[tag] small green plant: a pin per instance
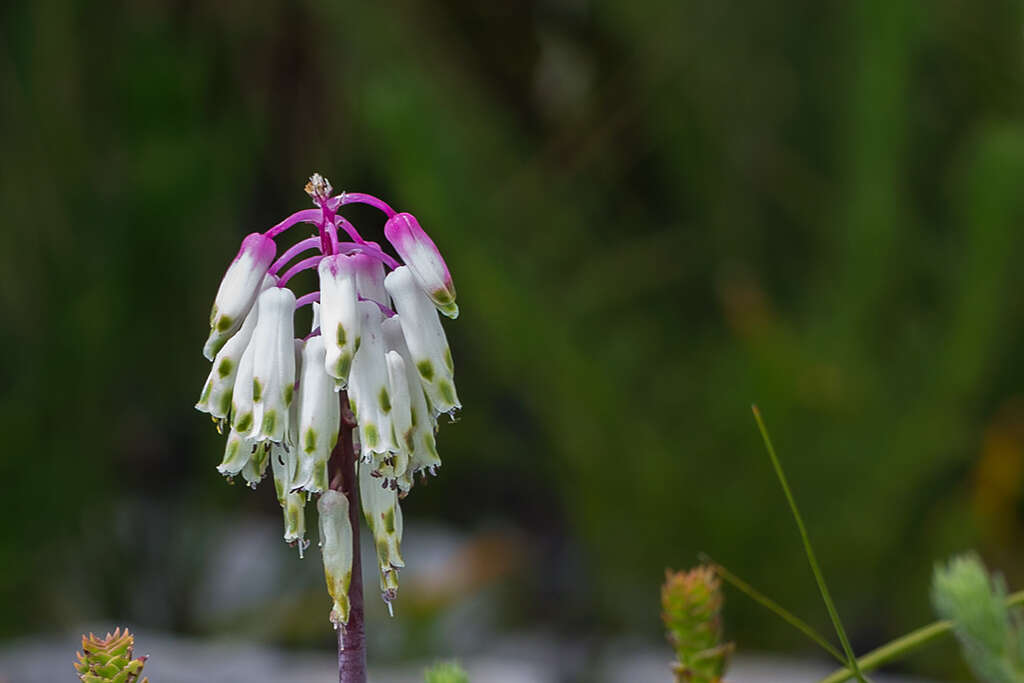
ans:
(445, 672)
(691, 607)
(109, 659)
(989, 632)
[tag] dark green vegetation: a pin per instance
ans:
(655, 213)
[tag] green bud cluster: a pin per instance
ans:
(691, 604)
(109, 659)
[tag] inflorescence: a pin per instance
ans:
(377, 342)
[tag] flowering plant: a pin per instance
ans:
(349, 411)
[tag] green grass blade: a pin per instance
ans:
(851, 659)
(772, 606)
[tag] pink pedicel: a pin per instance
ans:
(424, 260)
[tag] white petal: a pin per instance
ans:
(274, 364)
(336, 546)
(425, 338)
(339, 317)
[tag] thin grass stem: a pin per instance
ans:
(833, 614)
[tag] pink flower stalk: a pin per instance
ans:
(296, 400)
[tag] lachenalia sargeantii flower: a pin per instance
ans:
(370, 379)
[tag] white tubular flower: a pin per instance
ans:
(336, 547)
(319, 418)
(370, 277)
(273, 378)
(423, 449)
(241, 396)
(236, 454)
(216, 397)
(293, 504)
(256, 466)
(238, 290)
(368, 393)
(383, 517)
(339, 318)
(425, 338)
(424, 260)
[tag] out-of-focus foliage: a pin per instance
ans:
(445, 672)
(691, 608)
(991, 640)
(655, 212)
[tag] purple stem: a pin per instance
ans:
(293, 251)
(383, 309)
(306, 299)
(369, 250)
(361, 198)
(304, 216)
(351, 636)
(304, 264)
(350, 229)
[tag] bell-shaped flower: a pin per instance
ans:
(284, 463)
(425, 338)
(216, 396)
(339, 319)
(236, 454)
(238, 290)
(368, 392)
(256, 466)
(273, 374)
(419, 443)
(424, 260)
(242, 407)
(319, 418)
(383, 517)
(336, 547)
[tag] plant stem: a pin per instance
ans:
(811, 559)
(905, 644)
(766, 602)
(351, 636)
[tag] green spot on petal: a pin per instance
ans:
(257, 389)
(309, 440)
(385, 400)
(243, 423)
(225, 367)
(371, 434)
(447, 392)
(426, 369)
(269, 421)
(448, 360)
(341, 335)
(289, 394)
(344, 364)
(389, 520)
(224, 323)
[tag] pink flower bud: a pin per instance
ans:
(424, 261)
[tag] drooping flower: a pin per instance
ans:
(238, 290)
(384, 518)
(425, 338)
(424, 261)
(273, 372)
(420, 444)
(368, 391)
(216, 396)
(319, 418)
(285, 401)
(336, 544)
(339, 319)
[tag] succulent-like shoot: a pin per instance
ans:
(109, 659)
(691, 604)
(964, 593)
(445, 672)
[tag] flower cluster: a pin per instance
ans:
(377, 344)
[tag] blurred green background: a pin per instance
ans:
(656, 213)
